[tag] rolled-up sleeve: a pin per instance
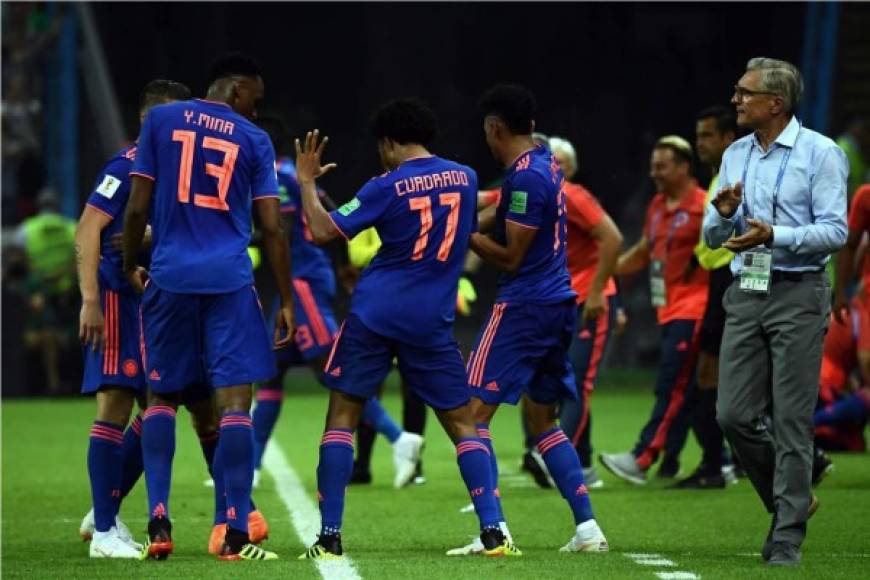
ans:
(828, 232)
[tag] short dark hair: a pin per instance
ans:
(726, 120)
(277, 131)
(160, 90)
(405, 120)
(513, 104)
(233, 64)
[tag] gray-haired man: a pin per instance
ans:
(781, 208)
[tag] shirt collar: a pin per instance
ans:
(788, 137)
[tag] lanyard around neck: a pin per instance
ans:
(786, 156)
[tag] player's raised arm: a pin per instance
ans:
(634, 259)
(308, 169)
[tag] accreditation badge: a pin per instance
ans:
(657, 283)
(755, 277)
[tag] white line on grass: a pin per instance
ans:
(658, 560)
(303, 513)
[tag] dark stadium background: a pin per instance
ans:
(610, 77)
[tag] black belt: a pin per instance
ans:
(784, 276)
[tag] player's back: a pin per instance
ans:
(209, 163)
(532, 197)
(408, 292)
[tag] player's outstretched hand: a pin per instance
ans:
(728, 199)
(91, 324)
(308, 155)
(137, 279)
(285, 326)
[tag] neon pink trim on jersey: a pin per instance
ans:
(341, 231)
(145, 175)
(105, 213)
(522, 224)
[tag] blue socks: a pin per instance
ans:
(486, 439)
(158, 450)
(850, 409)
(132, 465)
(265, 416)
(564, 465)
(375, 414)
(333, 475)
(475, 466)
(235, 455)
(104, 467)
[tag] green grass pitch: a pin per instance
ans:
(403, 534)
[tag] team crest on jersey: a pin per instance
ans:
(681, 219)
(519, 201)
(130, 368)
(109, 186)
(349, 207)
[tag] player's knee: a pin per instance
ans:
(234, 399)
(344, 411)
(114, 405)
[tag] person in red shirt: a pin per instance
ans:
(679, 294)
(842, 411)
(593, 248)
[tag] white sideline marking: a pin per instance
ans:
(656, 562)
(303, 513)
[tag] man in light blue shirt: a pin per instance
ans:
(781, 208)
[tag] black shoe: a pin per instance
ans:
(783, 554)
(668, 469)
(159, 539)
(491, 538)
(326, 546)
(701, 480)
(419, 478)
(822, 466)
(531, 466)
(360, 475)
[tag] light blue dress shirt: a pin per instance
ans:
(811, 208)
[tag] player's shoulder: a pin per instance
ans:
(121, 162)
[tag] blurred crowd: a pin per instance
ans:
(40, 297)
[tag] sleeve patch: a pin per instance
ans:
(109, 186)
(349, 207)
(519, 201)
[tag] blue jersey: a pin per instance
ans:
(424, 212)
(109, 196)
(209, 163)
(531, 196)
(307, 260)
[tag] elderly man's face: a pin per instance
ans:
(754, 105)
(565, 163)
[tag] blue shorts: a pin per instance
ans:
(119, 364)
(361, 358)
(315, 324)
(219, 339)
(523, 348)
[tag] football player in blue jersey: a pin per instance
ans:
(200, 167)
(523, 348)
(424, 210)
